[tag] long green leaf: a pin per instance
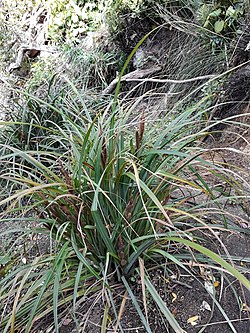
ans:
(215, 257)
(136, 254)
(81, 257)
(136, 305)
(158, 300)
(62, 255)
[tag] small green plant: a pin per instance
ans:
(69, 20)
(223, 19)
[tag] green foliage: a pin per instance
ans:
(107, 201)
(95, 68)
(13, 21)
(31, 120)
(14, 10)
(70, 20)
(123, 15)
(223, 19)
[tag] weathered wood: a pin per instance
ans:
(25, 48)
(193, 79)
(137, 74)
(37, 36)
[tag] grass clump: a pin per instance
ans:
(116, 193)
(109, 203)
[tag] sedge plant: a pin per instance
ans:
(106, 193)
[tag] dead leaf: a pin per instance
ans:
(216, 284)
(245, 307)
(165, 279)
(24, 260)
(209, 287)
(174, 297)
(202, 271)
(205, 306)
(193, 320)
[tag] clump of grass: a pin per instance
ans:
(115, 198)
(109, 203)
